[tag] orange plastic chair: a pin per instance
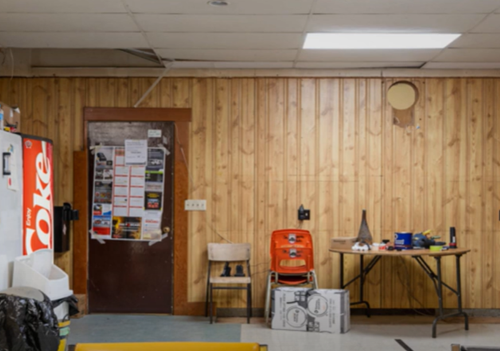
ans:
(290, 246)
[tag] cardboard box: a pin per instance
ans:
(289, 309)
(342, 243)
(11, 117)
(314, 310)
(329, 311)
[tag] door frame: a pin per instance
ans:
(181, 118)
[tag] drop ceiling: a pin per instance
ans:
(257, 33)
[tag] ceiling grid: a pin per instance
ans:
(257, 33)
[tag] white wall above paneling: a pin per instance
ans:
(222, 23)
(368, 55)
(230, 55)
(62, 6)
(405, 6)
(237, 7)
(225, 40)
(469, 55)
(393, 23)
(73, 40)
(66, 23)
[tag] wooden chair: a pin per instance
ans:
(228, 253)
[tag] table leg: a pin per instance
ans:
(342, 271)
(439, 291)
(438, 286)
(459, 293)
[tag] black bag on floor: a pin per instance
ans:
(27, 321)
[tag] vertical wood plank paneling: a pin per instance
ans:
(121, 93)
(292, 152)
(496, 194)
(387, 196)
(454, 161)
(261, 185)
(79, 99)
(222, 195)
(419, 278)
(350, 217)
(402, 177)
(474, 189)
(261, 147)
(275, 141)
(373, 178)
(434, 213)
(488, 211)
(200, 223)
(328, 125)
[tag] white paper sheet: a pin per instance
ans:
(121, 181)
(120, 211)
(137, 191)
(136, 212)
(137, 202)
(137, 181)
(121, 190)
(136, 152)
(138, 171)
(120, 201)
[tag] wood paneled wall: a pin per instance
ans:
(259, 148)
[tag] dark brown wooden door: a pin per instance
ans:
(128, 276)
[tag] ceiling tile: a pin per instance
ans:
(67, 23)
(221, 23)
(393, 23)
(73, 40)
(405, 6)
(229, 55)
(368, 55)
(236, 7)
(225, 40)
(339, 65)
(487, 41)
(62, 6)
(490, 25)
(469, 55)
(462, 65)
(87, 58)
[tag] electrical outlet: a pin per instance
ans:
(195, 205)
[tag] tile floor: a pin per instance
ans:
(369, 337)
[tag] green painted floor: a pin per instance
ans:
(101, 328)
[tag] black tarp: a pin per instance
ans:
(27, 324)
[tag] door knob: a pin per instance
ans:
(166, 230)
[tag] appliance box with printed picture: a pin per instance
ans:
(314, 310)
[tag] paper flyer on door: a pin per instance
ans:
(127, 198)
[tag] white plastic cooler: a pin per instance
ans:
(38, 271)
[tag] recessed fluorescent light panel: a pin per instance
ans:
(378, 41)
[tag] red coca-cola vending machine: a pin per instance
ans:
(38, 198)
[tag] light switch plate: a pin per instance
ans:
(195, 205)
